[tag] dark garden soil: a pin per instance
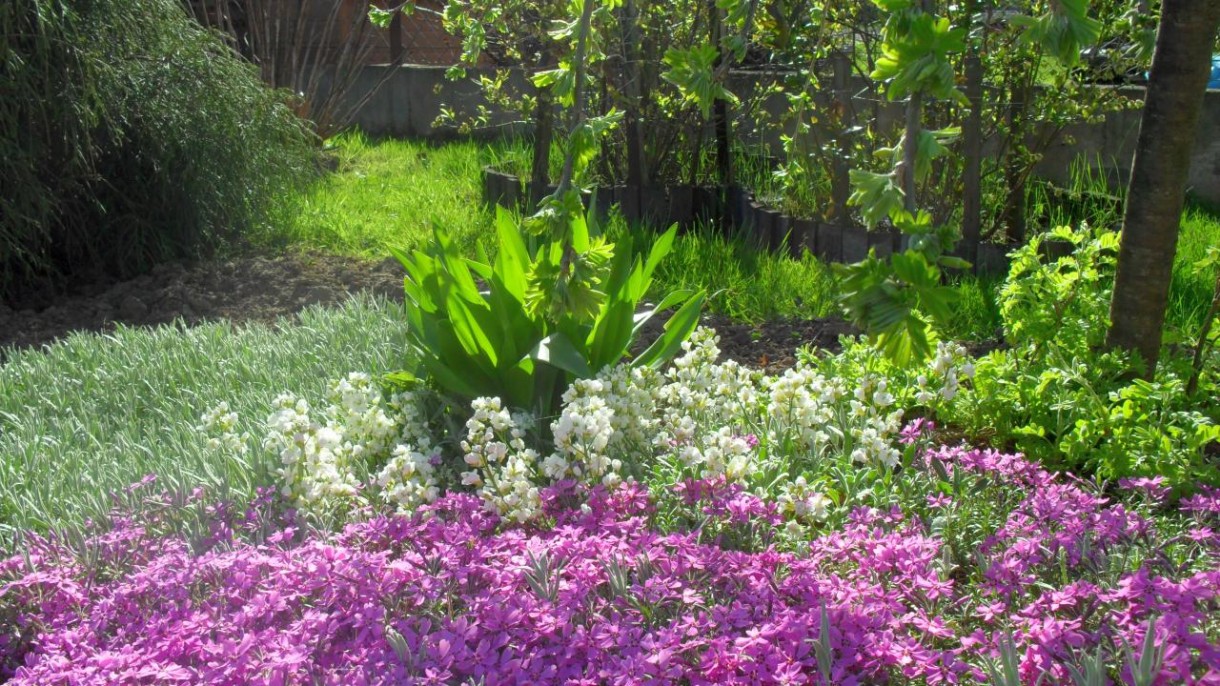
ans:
(267, 288)
(255, 287)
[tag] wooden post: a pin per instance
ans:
(972, 148)
(840, 183)
(396, 48)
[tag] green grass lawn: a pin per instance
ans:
(1191, 292)
(390, 193)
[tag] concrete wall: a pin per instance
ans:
(408, 103)
(412, 97)
(1110, 146)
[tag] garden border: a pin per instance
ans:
(741, 214)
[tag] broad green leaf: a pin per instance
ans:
(470, 333)
(660, 249)
(558, 350)
(466, 383)
(512, 261)
(677, 330)
(611, 334)
(456, 269)
(480, 269)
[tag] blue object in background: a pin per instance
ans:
(1215, 80)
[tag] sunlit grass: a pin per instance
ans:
(744, 283)
(1190, 294)
(390, 193)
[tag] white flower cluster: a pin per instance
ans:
(703, 410)
(721, 452)
(628, 392)
(803, 503)
(502, 467)
(408, 479)
(873, 426)
(323, 463)
(394, 431)
(700, 418)
(802, 407)
(711, 416)
(582, 434)
(220, 425)
(699, 387)
(802, 506)
(313, 467)
(950, 364)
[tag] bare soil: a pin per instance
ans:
(269, 288)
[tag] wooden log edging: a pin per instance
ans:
(740, 215)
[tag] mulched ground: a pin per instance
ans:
(268, 288)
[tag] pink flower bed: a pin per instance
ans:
(599, 595)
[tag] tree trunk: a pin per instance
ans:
(840, 184)
(544, 133)
(972, 147)
(720, 109)
(912, 127)
(636, 173)
(910, 151)
(1155, 194)
(1014, 168)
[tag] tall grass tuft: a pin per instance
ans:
(743, 282)
(130, 135)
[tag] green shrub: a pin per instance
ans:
(1057, 395)
(131, 135)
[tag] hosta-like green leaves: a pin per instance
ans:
(559, 351)
(537, 320)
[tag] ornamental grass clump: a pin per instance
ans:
(130, 135)
(601, 590)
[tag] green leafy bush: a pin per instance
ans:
(548, 314)
(1057, 395)
(130, 135)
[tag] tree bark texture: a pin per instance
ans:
(544, 133)
(972, 147)
(1181, 65)
(1014, 168)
